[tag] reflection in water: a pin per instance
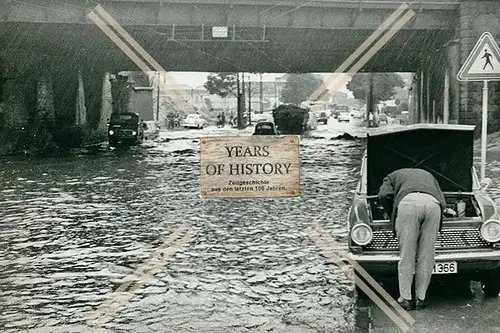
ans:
(71, 228)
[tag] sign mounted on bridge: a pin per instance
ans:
(249, 166)
(483, 63)
(219, 32)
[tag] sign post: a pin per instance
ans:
(482, 64)
(484, 130)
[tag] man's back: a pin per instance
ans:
(418, 180)
(402, 182)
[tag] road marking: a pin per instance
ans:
(327, 244)
(339, 77)
(143, 274)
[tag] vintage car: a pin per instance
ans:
(382, 118)
(265, 128)
(322, 117)
(151, 130)
(124, 129)
(468, 247)
(194, 121)
(404, 117)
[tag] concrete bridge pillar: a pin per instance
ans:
(106, 106)
(18, 97)
(94, 84)
(81, 109)
(42, 98)
(437, 93)
(476, 17)
(453, 66)
(44, 110)
(413, 101)
(422, 100)
(42, 124)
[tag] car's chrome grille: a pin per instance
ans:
(447, 239)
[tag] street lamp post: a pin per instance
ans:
(249, 100)
(369, 102)
(261, 97)
(158, 99)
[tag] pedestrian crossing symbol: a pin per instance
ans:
(483, 63)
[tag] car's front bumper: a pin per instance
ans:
(468, 262)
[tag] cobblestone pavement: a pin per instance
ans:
(73, 227)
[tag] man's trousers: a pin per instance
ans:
(417, 226)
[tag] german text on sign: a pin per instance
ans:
(249, 166)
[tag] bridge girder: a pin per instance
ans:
(334, 14)
(263, 36)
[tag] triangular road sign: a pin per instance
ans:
(483, 63)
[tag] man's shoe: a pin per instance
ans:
(405, 304)
(420, 304)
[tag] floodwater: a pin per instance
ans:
(72, 228)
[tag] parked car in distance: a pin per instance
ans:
(257, 117)
(468, 246)
(404, 118)
(382, 118)
(356, 114)
(322, 117)
(344, 117)
(151, 130)
(265, 128)
(194, 121)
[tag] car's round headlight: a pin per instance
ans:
(361, 234)
(134, 132)
(111, 132)
(490, 231)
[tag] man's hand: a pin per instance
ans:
(450, 212)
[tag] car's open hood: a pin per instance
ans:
(444, 150)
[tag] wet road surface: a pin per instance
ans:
(72, 228)
(450, 310)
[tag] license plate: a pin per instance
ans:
(445, 267)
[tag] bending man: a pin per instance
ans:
(416, 204)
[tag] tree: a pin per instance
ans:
(299, 87)
(384, 85)
(221, 84)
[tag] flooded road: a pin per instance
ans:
(72, 228)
